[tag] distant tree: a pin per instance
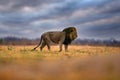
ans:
(1, 41)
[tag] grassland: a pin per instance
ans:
(79, 63)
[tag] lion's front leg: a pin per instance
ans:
(66, 47)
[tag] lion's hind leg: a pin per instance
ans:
(42, 46)
(48, 45)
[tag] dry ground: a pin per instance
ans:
(79, 63)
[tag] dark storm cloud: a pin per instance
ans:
(22, 17)
(112, 7)
(105, 31)
(14, 5)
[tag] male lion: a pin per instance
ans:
(60, 37)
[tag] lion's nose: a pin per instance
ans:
(76, 35)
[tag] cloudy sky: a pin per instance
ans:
(98, 19)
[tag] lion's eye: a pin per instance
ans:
(71, 30)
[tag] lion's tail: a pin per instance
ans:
(38, 44)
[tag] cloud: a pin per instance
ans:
(22, 17)
(112, 7)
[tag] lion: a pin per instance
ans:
(59, 37)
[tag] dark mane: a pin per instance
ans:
(67, 40)
(68, 31)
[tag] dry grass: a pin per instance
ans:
(80, 63)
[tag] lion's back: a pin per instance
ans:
(54, 36)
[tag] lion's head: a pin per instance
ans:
(71, 34)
